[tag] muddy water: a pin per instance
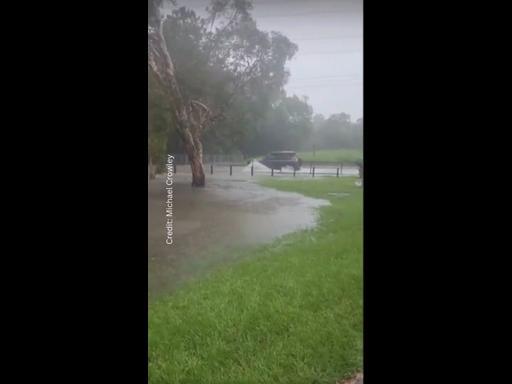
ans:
(304, 171)
(212, 223)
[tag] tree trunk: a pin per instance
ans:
(199, 147)
(195, 156)
(161, 63)
(198, 179)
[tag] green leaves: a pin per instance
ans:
(237, 70)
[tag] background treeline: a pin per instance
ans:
(256, 114)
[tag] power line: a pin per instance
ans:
(344, 9)
(327, 77)
(321, 81)
(272, 2)
(327, 86)
(330, 84)
(327, 38)
(314, 81)
(332, 52)
(277, 2)
(290, 15)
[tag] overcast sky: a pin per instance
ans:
(328, 68)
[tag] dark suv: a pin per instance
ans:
(280, 159)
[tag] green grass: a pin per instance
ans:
(290, 312)
(333, 155)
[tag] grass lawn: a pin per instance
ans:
(335, 155)
(290, 312)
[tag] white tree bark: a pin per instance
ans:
(189, 128)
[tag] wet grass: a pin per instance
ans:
(289, 313)
(341, 155)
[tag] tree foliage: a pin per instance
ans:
(338, 131)
(224, 61)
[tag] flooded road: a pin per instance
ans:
(244, 171)
(211, 223)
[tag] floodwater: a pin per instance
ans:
(244, 171)
(211, 223)
(305, 171)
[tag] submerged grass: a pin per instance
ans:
(290, 312)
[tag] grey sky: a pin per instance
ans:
(328, 68)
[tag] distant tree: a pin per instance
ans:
(342, 117)
(286, 125)
(318, 120)
(338, 131)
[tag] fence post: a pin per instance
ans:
(230, 170)
(313, 171)
(211, 169)
(272, 174)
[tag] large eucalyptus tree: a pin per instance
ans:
(230, 50)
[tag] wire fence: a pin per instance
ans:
(215, 164)
(182, 158)
(251, 170)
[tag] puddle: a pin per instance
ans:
(211, 222)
